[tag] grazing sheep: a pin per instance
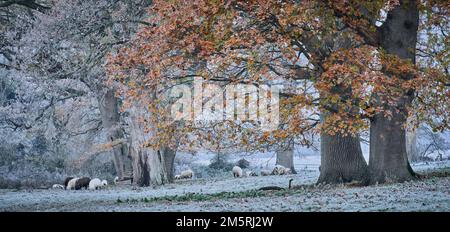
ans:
(104, 183)
(82, 182)
(58, 186)
(95, 184)
(186, 174)
(71, 184)
(116, 180)
(251, 173)
(237, 171)
(265, 173)
(66, 181)
(279, 170)
(287, 171)
(177, 177)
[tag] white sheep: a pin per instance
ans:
(66, 181)
(177, 177)
(58, 186)
(251, 173)
(95, 184)
(279, 170)
(104, 183)
(186, 174)
(287, 171)
(116, 180)
(237, 171)
(71, 184)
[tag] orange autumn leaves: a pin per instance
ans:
(261, 41)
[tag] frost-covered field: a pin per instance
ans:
(431, 194)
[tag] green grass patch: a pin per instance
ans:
(210, 197)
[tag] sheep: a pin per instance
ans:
(251, 173)
(247, 173)
(82, 182)
(279, 170)
(237, 171)
(58, 186)
(265, 173)
(104, 183)
(71, 184)
(66, 181)
(186, 174)
(116, 180)
(287, 171)
(94, 184)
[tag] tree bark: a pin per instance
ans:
(388, 157)
(109, 110)
(141, 176)
(149, 165)
(285, 157)
(169, 158)
(341, 160)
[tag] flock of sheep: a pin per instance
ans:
(74, 183)
(238, 172)
(277, 170)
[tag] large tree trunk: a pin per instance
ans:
(285, 157)
(388, 156)
(341, 160)
(149, 165)
(109, 110)
(169, 158)
(141, 176)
